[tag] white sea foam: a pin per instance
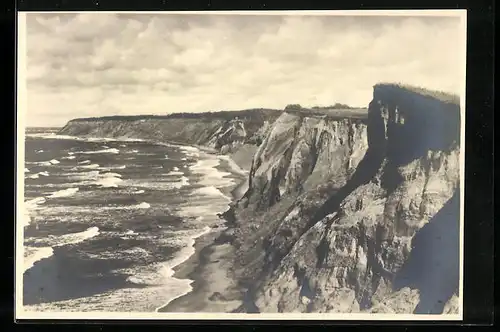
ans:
(175, 173)
(36, 254)
(39, 151)
(113, 150)
(37, 175)
(166, 156)
(130, 232)
(84, 162)
(138, 192)
(183, 159)
(119, 167)
(123, 146)
(142, 205)
(64, 193)
(69, 157)
(71, 153)
(211, 176)
(184, 181)
(175, 168)
(54, 161)
(209, 191)
(91, 166)
(32, 203)
(26, 170)
(108, 180)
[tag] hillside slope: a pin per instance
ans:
(353, 214)
(234, 132)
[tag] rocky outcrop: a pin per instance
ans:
(354, 215)
(226, 132)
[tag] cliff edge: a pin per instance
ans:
(354, 214)
(236, 133)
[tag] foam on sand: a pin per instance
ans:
(210, 191)
(182, 256)
(184, 181)
(64, 193)
(211, 176)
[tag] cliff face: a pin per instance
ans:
(350, 215)
(227, 132)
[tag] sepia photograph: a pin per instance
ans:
(240, 165)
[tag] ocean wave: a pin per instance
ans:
(138, 192)
(142, 205)
(209, 191)
(109, 180)
(175, 173)
(211, 176)
(37, 175)
(119, 167)
(69, 157)
(32, 203)
(36, 254)
(64, 193)
(91, 166)
(84, 162)
(112, 150)
(85, 139)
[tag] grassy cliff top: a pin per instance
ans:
(405, 89)
(219, 115)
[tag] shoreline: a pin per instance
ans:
(213, 290)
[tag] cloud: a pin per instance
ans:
(93, 64)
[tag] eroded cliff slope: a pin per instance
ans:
(234, 132)
(356, 213)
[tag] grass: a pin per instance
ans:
(257, 113)
(436, 94)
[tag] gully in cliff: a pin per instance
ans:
(241, 166)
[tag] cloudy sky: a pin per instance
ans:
(94, 64)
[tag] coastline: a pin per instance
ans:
(213, 290)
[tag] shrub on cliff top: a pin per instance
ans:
(439, 95)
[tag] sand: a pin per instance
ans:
(209, 267)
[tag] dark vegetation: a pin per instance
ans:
(250, 114)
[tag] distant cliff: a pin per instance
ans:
(353, 213)
(230, 132)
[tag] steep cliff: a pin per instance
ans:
(353, 214)
(227, 132)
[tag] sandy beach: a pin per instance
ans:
(209, 267)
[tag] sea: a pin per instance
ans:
(107, 220)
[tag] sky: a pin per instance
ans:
(96, 64)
